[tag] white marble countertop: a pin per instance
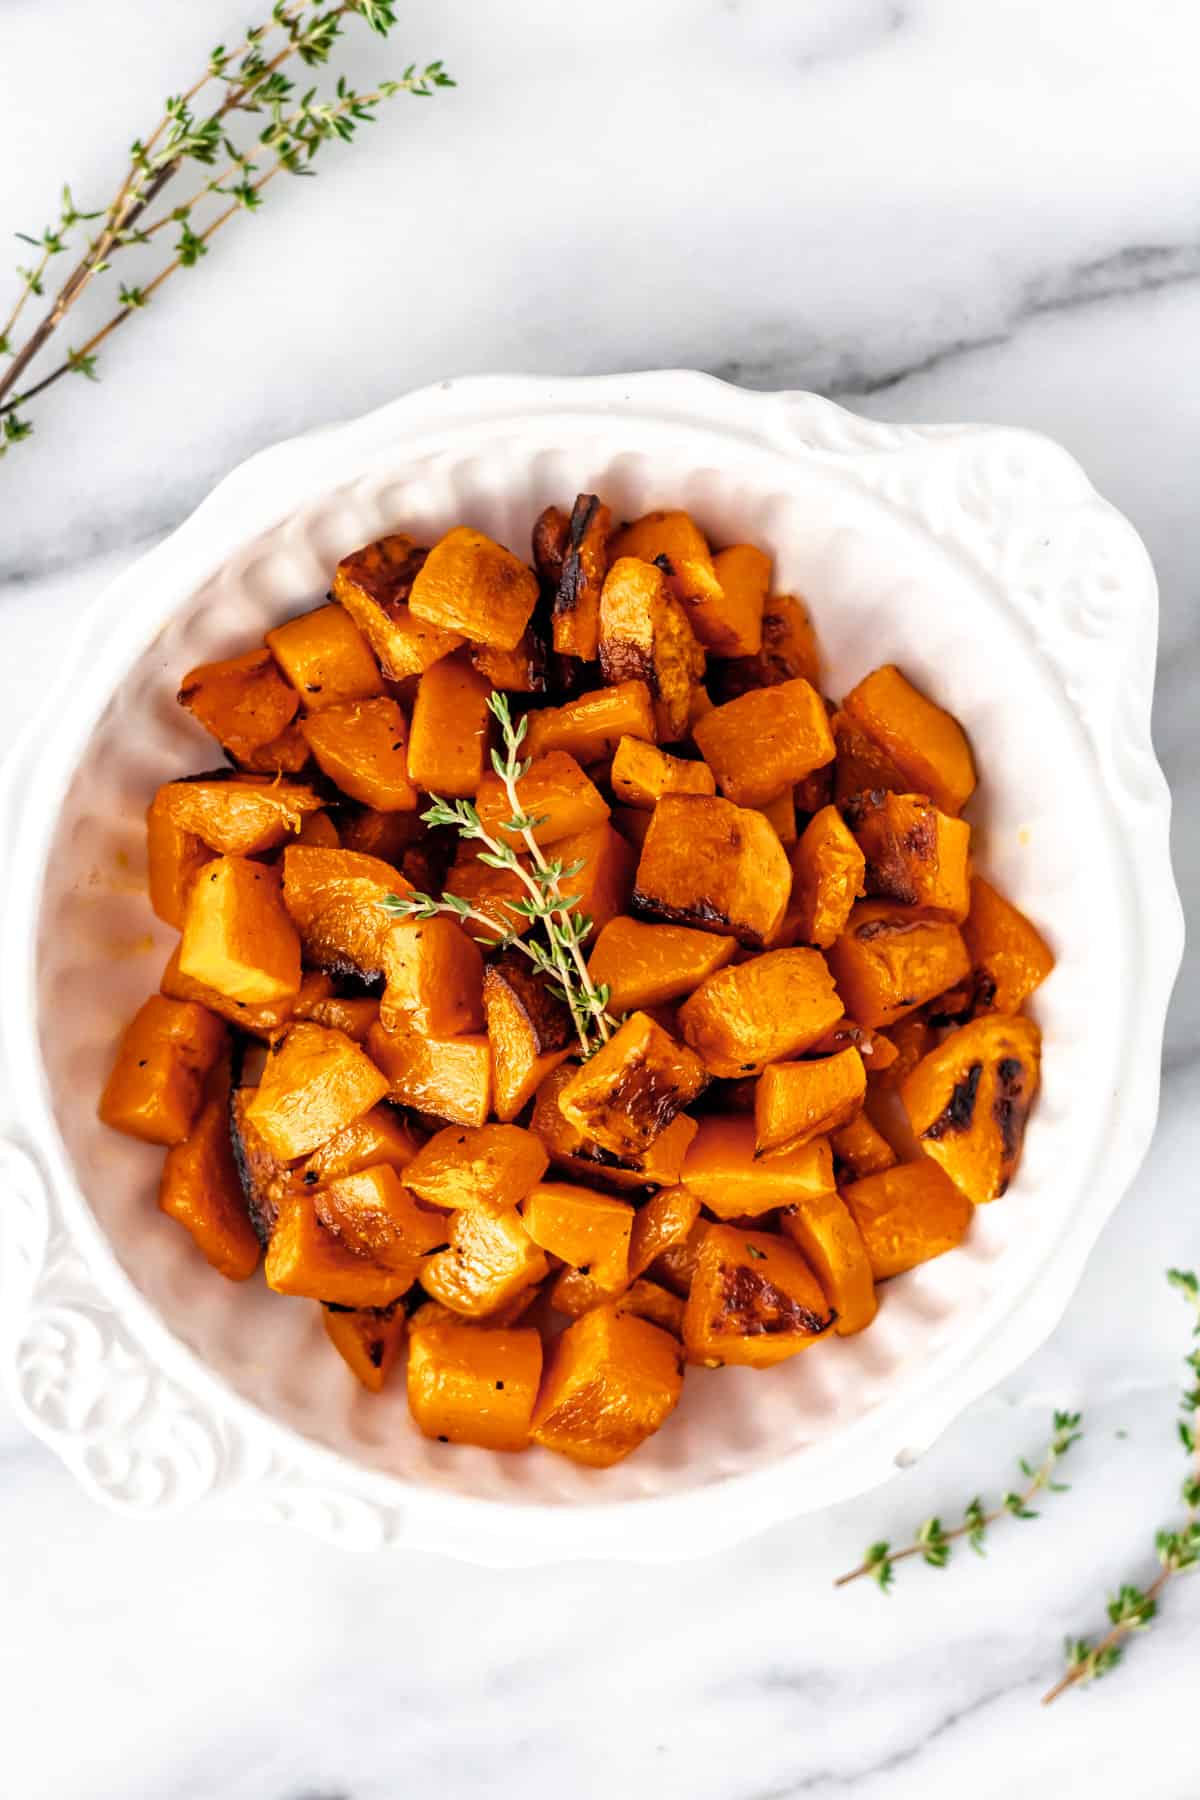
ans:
(929, 209)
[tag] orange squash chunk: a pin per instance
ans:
(862, 767)
(1009, 956)
(924, 741)
(448, 745)
(237, 936)
(586, 1229)
(260, 1021)
(667, 1219)
(721, 1171)
(368, 1339)
(676, 544)
(326, 658)
(602, 887)
(647, 1300)
(765, 740)
(373, 585)
(471, 584)
(448, 1077)
(744, 574)
(354, 1017)
(632, 1087)
(888, 961)
(675, 1266)
(789, 651)
(554, 791)
(174, 857)
(760, 1011)
(307, 1259)
(642, 774)
(910, 1039)
(373, 1213)
(267, 1182)
(286, 754)
(315, 1083)
(861, 1148)
(529, 1030)
(968, 1101)
(519, 671)
(201, 1188)
(832, 1245)
(386, 835)
(828, 875)
(156, 1087)
(362, 746)
(490, 892)
(238, 817)
(914, 853)
(611, 1381)
(572, 1150)
(244, 701)
(380, 1136)
(590, 727)
(469, 1384)
(714, 866)
(780, 814)
(491, 1167)
(645, 636)
(435, 979)
(795, 1102)
(319, 829)
(753, 1301)
(646, 965)
(573, 553)
(907, 1215)
(334, 897)
(491, 1259)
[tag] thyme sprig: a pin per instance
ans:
(1133, 1609)
(297, 127)
(934, 1544)
(565, 929)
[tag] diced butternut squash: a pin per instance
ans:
(448, 1077)
(320, 830)
(386, 835)
(603, 886)
(765, 740)
(611, 1381)
(529, 1029)
(910, 1039)
(549, 540)
(380, 1136)
(362, 746)
(828, 875)
(633, 824)
(789, 651)
(657, 1305)
(572, 1150)
(675, 1266)
(373, 585)
(582, 564)
(914, 853)
(832, 1245)
(373, 1213)
(286, 754)
(744, 574)
(666, 1220)
(242, 816)
(814, 792)
(925, 742)
(244, 701)
(721, 1171)
(434, 979)
(340, 1013)
(267, 1181)
(470, 584)
(889, 960)
(156, 1087)
(174, 857)
(753, 1301)
(368, 1339)
(860, 1148)
(307, 1259)
(795, 1102)
(760, 1011)
(265, 1021)
(969, 1098)
(780, 814)
(587, 1229)
(315, 1083)
(326, 658)
(519, 671)
(642, 774)
(907, 1215)
(201, 1188)
(645, 636)
(237, 935)
(632, 1087)
(490, 1167)
(714, 866)
(491, 1259)
(646, 965)
(469, 1384)
(335, 900)
(448, 744)
(1009, 956)
(590, 728)
(554, 791)
(862, 766)
(490, 892)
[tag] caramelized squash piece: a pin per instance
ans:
(471, 584)
(642, 774)
(472, 1385)
(646, 965)
(244, 701)
(554, 791)
(611, 1381)
(757, 1012)
(354, 1017)
(862, 767)
(832, 1245)
(242, 816)
(675, 1266)
(914, 853)
(490, 1167)
(490, 892)
(529, 1030)
(602, 887)
(316, 1082)
(491, 1260)
(721, 1171)
(590, 728)
(744, 574)
(780, 814)
(519, 671)
(549, 540)
(386, 835)
(319, 829)
(907, 1215)
(828, 875)
(448, 744)
(632, 1087)
(573, 1151)
(924, 741)
(766, 740)
(582, 1227)
(657, 1305)
(795, 1102)
(380, 1136)
(583, 563)
(888, 961)
(267, 1182)
(1009, 956)
(435, 979)
(968, 1101)
(373, 585)
(265, 1021)
(201, 1189)
(448, 1077)
(910, 1039)
(789, 651)
(307, 1259)
(156, 1087)
(174, 857)
(335, 900)
(645, 636)
(666, 1220)
(373, 1213)
(326, 658)
(237, 936)
(861, 1148)
(754, 1300)
(714, 866)
(368, 1339)
(286, 754)
(362, 746)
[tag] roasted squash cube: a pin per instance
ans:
(386, 835)
(242, 816)
(647, 965)
(765, 740)
(469, 1384)
(860, 1148)
(677, 545)
(448, 744)
(657, 1305)
(265, 1021)
(491, 1167)
(632, 1087)
(789, 651)
(244, 701)
(888, 961)
(744, 574)
(319, 829)
(491, 1259)
(549, 541)
(968, 1101)
(832, 1245)
(1009, 956)
(368, 1339)
(920, 738)
(828, 875)
(373, 585)
(315, 1083)
(603, 882)
(760, 1011)
(267, 1181)
(174, 858)
(237, 935)
(909, 1040)
(714, 866)
(434, 979)
(907, 1215)
(373, 1213)
(156, 1087)
(490, 892)
(573, 1151)
(307, 1259)
(590, 727)
(472, 585)
(753, 1300)
(554, 791)
(448, 1077)
(335, 900)
(610, 1382)
(201, 1188)
(326, 658)
(780, 814)
(642, 774)
(519, 671)
(286, 754)
(380, 1136)
(362, 746)
(795, 1102)
(582, 558)
(914, 853)
(338, 1012)
(645, 636)
(582, 1227)
(668, 1218)
(721, 1171)
(862, 766)
(529, 1030)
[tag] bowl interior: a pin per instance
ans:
(880, 590)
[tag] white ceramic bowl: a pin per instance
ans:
(979, 559)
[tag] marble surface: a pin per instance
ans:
(930, 210)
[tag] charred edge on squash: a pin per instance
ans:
(648, 1100)
(572, 580)
(1010, 1107)
(752, 1306)
(262, 1210)
(703, 914)
(959, 1110)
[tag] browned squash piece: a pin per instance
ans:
(642, 774)
(760, 1011)
(554, 791)
(435, 979)
(920, 738)
(657, 1305)
(590, 727)
(914, 853)
(907, 1215)
(174, 857)
(448, 744)
(286, 754)
(472, 585)
(326, 658)
(491, 1167)
(362, 746)
(368, 1339)
(862, 767)
(316, 1082)
(744, 574)
(828, 874)
(239, 816)
(645, 636)
(910, 1038)
(1009, 956)
(549, 541)
(765, 740)
(860, 1148)
(832, 1245)
(603, 883)
(157, 1082)
(632, 1087)
(611, 1381)
(339, 1013)
(753, 1300)
(267, 1182)
(469, 1384)
(675, 542)
(888, 961)
(667, 1219)
(675, 1266)
(714, 866)
(237, 935)
(373, 1213)
(875, 1047)
(789, 651)
(307, 1259)
(448, 1077)
(647, 965)
(244, 701)
(335, 900)
(380, 1136)
(386, 835)
(814, 792)
(780, 814)
(260, 1021)
(519, 671)
(968, 1101)
(573, 1151)
(721, 1171)
(373, 585)
(491, 1259)
(587, 1229)
(201, 1189)
(582, 556)
(529, 1030)
(490, 892)
(797, 1101)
